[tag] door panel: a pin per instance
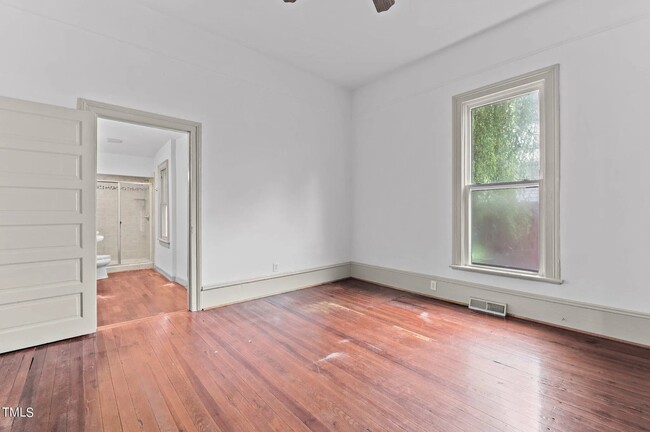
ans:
(47, 224)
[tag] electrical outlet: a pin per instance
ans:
(434, 285)
(276, 267)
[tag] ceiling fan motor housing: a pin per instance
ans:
(380, 5)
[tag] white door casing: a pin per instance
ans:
(47, 224)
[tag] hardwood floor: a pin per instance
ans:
(342, 356)
(133, 295)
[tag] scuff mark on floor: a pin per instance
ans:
(331, 356)
(417, 335)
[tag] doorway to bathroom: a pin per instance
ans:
(146, 214)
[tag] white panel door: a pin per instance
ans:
(47, 224)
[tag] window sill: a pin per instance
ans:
(164, 243)
(507, 273)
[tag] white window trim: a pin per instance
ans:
(546, 81)
(164, 240)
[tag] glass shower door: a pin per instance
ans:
(135, 223)
(108, 219)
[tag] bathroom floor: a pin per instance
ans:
(132, 295)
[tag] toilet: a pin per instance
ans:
(102, 261)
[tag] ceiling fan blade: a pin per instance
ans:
(383, 5)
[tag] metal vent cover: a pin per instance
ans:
(489, 307)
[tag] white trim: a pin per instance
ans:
(181, 281)
(545, 81)
(520, 274)
(620, 324)
(119, 268)
(164, 273)
(115, 112)
(251, 289)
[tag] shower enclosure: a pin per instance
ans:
(124, 219)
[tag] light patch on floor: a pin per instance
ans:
(331, 356)
(424, 316)
(328, 307)
(417, 335)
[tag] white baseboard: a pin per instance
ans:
(129, 267)
(164, 273)
(181, 281)
(236, 292)
(612, 323)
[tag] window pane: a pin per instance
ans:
(505, 228)
(164, 186)
(164, 221)
(505, 140)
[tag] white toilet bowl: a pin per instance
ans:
(102, 262)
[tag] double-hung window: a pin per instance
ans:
(163, 202)
(506, 178)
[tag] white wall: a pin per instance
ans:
(181, 163)
(402, 151)
(276, 140)
(124, 165)
(172, 259)
(164, 253)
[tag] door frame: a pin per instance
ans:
(129, 115)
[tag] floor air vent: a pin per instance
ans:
(487, 307)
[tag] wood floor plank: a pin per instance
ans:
(110, 420)
(321, 363)
(9, 367)
(223, 404)
(415, 397)
(29, 390)
(294, 416)
(345, 356)
(320, 411)
(556, 366)
(178, 378)
(132, 295)
(401, 348)
(128, 416)
(60, 396)
(130, 366)
(91, 404)
(324, 396)
(159, 386)
(76, 413)
(44, 391)
(243, 390)
(142, 380)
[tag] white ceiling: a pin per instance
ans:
(141, 141)
(345, 41)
